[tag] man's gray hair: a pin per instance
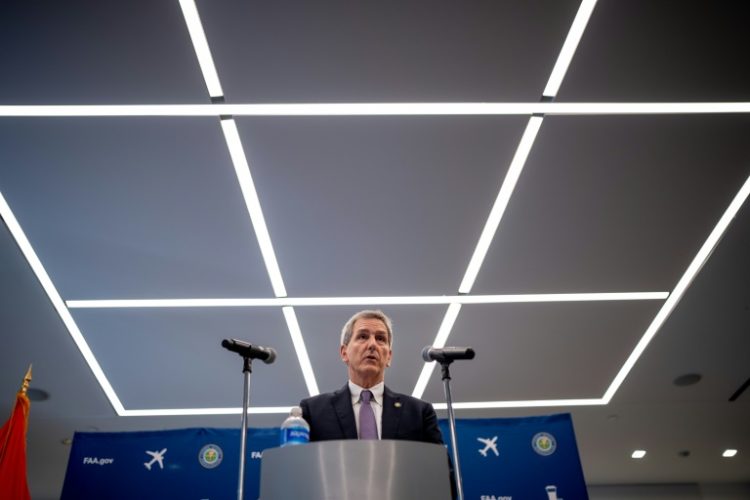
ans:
(348, 330)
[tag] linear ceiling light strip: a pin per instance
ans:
(488, 233)
(301, 350)
(360, 301)
(174, 412)
(57, 302)
(380, 109)
(569, 47)
(242, 169)
(501, 203)
(679, 290)
(200, 45)
(524, 148)
(479, 405)
(445, 328)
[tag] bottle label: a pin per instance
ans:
(294, 435)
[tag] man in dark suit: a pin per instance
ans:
(365, 348)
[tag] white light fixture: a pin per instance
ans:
(501, 203)
(569, 47)
(57, 302)
(442, 336)
(242, 169)
(729, 453)
(380, 109)
(301, 350)
(361, 301)
(483, 405)
(679, 290)
(638, 454)
(173, 412)
(200, 45)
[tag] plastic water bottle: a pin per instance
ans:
(295, 430)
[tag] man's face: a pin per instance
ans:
(368, 352)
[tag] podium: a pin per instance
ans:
(366, 470)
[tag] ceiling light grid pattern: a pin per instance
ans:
(454, 302)
(379, 109)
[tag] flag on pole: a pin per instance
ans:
(13, 484)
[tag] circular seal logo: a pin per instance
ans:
(210, 456)
(544, 443)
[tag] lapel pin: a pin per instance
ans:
(397, 404)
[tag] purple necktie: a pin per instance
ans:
(367, 427)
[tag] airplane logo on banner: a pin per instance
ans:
(489, 444)
(158, 457)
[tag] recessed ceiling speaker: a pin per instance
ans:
(687, 379)
(35, 394)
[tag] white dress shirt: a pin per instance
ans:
(376, 403)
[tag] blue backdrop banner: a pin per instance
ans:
(510, 458)
(519, 458)
(184, 464)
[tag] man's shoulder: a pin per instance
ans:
(326, 396)
(323, 398)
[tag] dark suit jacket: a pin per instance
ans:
(331, 416)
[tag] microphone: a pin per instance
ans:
(447, 354)
(265, 354)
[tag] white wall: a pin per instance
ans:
(722, 491)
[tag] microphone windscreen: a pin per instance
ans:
(271, 356)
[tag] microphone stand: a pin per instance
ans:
(452, 421)
(247, 369)
(248, 352)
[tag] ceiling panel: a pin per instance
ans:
(172, 358)
(616, 203)
(132, 207)
(106, 51)
(339, 51)
(376, 205)
(671, 50)
(533, 351)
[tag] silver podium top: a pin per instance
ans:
(351, 469)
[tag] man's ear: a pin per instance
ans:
(342, 352)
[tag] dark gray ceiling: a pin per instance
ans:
(150, 207)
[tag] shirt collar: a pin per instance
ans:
(377, 392)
